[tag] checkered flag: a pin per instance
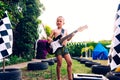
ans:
(6, 36)
(114, 54)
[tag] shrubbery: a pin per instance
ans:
(75, 48)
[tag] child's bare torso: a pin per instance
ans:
(57, 32)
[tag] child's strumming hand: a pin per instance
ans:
(49, 40)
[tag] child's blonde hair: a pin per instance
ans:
(62, 18)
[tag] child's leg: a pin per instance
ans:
(58, 68)
(69, 65)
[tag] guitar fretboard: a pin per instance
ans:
(66, 37)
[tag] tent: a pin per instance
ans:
(100, 52)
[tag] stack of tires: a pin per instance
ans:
(11, 74)
(100, 69)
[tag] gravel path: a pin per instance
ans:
(21, 65)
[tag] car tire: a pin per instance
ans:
(100, 69)
(82, 61)
(11, 74)
(37, 66)
(89, 64)
(51, 62)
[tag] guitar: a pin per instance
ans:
(58, 43)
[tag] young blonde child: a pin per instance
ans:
(61, 52)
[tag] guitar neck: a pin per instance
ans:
(68, 36)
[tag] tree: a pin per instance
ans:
(26, 30)
(23, 15)
(3, 7)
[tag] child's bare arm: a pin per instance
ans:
(50, 37)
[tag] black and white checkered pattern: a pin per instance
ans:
(6, 36)
(114, 53)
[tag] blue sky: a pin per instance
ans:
(99, 15)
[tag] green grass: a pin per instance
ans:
(46, 74)
(80, 68)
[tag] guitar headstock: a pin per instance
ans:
(82, 28)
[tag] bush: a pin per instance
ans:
(75, 48)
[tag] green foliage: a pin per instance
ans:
(16, 59)
(79, 48)
(24, 18)
(3, 8)
(26, 30)
(75, 48)
(13, 9)
(48, 30)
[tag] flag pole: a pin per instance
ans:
(3, 64)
